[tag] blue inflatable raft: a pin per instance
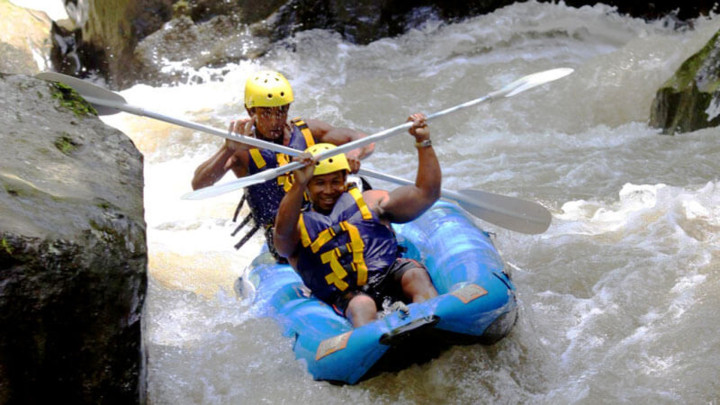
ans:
(476, 304)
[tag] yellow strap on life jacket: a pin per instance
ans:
(304, 237)
(357, 195)
(282, 159)
(338, 272)
(327, 234)
(357, 247)
(309, 140)
(323, 238)
(257, 158)
(284, 180)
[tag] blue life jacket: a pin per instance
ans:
(345, 249)
(264, 198)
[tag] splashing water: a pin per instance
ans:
(618, 298)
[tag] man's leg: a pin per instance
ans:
(361, 310)
(416, 283)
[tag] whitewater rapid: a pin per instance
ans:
(618, 298)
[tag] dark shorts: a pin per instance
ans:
(387, 285)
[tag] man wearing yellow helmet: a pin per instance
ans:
(342, 245)
(268, 95)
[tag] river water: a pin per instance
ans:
(618, 299)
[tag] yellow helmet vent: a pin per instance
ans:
(267, 88)
(331, 164)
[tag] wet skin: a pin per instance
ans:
(326, 189)
(270, 122)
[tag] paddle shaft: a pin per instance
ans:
(258, 143)
(449, 194)
(112, 101)
(516, 87)
(509, 90)
(511, 213)
(381, 135)
(508, 212)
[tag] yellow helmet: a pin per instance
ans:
(267, 89)
(331, 164)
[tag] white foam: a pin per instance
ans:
(55, 9)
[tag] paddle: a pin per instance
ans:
(506, 212)
(107, 102)
(516, 87)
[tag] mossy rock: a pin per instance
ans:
(73, 251)
(71, 100)
(690, 100)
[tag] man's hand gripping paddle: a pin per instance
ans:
(508, 212)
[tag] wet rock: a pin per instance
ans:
(249, 11)
(24, 39)
(184, 43)
(364, 21)
(73, 253)
(690, 100)
(64, 55)
(652, 10)
(111, 30)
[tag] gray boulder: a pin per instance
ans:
(111, 33)
(73, 256)
(690, 100)
(25, 43)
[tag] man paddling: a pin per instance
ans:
(268, 95)
(342, 245)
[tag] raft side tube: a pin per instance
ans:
(453, 248)
(476, 303)
(466, 269)
(343, 358)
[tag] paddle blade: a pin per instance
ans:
(213, 191)
(507, 212)
(89, 91)
(536, 79)
(219, 189)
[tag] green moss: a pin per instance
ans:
(687, 72)
(106, 233)
(10, 190)
(65, 144)
(681, 105)
(6, 246)
(181, 8)
(71, 100)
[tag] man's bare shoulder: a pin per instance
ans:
(375, 198)
(318, 128)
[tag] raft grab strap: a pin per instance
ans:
(237, 210)
(248, 235)
(244, 222)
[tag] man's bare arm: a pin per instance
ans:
(324, 132)
(286, 234)
(409, 202)
(214, 168)
(228, 157)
